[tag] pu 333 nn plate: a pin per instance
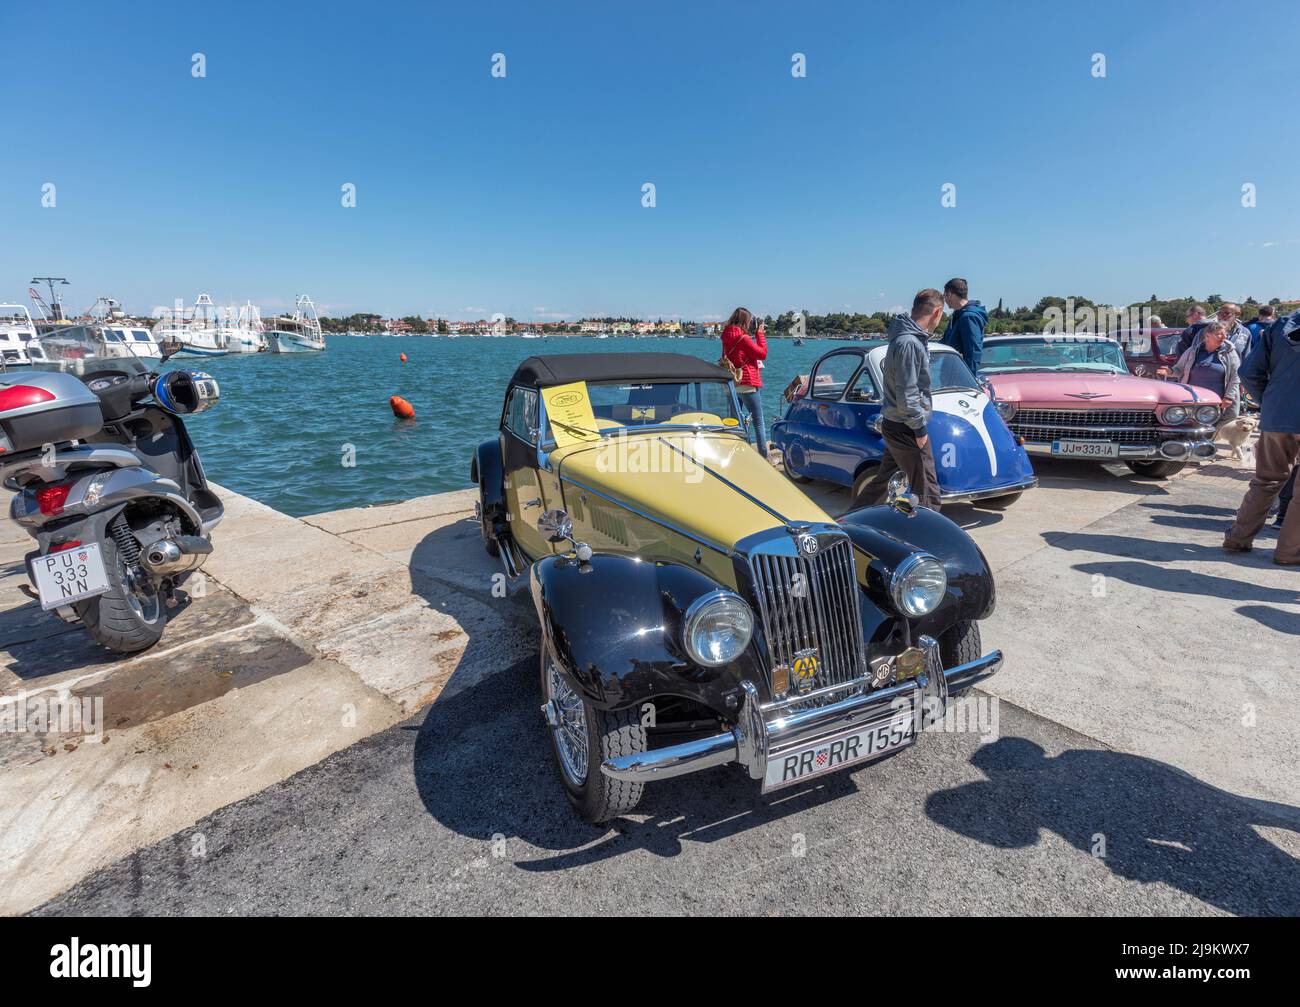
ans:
(70, 575)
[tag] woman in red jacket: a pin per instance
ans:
(745, 353)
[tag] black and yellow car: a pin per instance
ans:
(696, 608)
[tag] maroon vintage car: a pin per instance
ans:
(1148, 350)
(1073, 397)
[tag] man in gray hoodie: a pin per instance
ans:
(906, 411)
(1271, 374)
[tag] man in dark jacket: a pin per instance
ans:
(1272, 376)
(965, 332)
(905, 374)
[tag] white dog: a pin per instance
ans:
(1237, 432)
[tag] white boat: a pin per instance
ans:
(197, 330)
(138, 341)
(16, 335)
(125, 338)
(243, 329)
(296, 333)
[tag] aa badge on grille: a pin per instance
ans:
(805, 669)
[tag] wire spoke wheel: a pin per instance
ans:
(571, 730)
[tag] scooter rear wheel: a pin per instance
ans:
(125, 618)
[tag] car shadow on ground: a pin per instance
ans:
(483, 766)
(1146, 821)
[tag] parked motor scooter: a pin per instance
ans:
(108, 482)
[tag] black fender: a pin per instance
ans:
(615, 623)
(488, 471)
(887, 537)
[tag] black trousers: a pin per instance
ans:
(903, 455)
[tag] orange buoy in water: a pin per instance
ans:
(403, 358)
(402, 409)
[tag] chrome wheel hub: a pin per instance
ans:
(568, 722)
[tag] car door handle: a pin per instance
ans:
(537, 502)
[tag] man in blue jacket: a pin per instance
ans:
(965, 332)
(1271, 374)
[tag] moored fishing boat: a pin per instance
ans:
(243, 329)
(16, 334)
(128, 339)
(195, 330)
(296, 333)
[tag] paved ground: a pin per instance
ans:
(1144, 762)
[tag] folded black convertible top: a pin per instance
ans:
(563, 368)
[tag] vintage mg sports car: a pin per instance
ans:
(696, 608)
(831, 429)
(1073, 397)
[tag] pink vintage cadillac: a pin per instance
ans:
(1072, 396)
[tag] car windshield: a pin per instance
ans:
(948, 372)
(1060, 354)
(622, 405)
(1168, 344)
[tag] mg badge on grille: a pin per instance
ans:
(805, 669)
(808, 544)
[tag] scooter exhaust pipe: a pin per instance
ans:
(176, 555)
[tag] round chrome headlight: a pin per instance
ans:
(918, 585)
(1175, 415)
(1006, 410)
(1205, 415)
(718, 628)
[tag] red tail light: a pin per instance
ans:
(51, 499)
(71, 544)
(17, 396)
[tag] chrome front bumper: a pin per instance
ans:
(999, 491)
(763, 732)
(1198, 446)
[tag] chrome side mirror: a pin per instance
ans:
(556, 525)
(899, 495)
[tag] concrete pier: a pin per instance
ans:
(1120, 618)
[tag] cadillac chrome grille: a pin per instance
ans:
(1088, 417)
(810, 603)
(1121, 426)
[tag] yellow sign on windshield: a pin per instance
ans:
(568, 407)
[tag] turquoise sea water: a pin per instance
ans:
(281, 429)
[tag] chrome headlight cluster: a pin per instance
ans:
(1206, 415)
(1175, 415)
(918, 585)
(1006, 410)
(718, 628)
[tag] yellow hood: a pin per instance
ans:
(697, 482)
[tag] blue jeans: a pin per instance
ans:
(753, 401)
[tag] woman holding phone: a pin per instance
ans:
(742, 354)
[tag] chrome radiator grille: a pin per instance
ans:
(809, 604)
(1088, 417)
(1123, 426)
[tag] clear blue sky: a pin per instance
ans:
(523, 194)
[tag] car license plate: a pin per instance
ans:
(70, 575)
(829, 754)
(1085, 449)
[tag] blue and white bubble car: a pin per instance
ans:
(831, 429)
